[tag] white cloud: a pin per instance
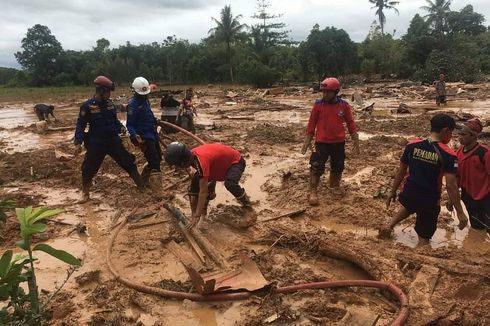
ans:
(77, 24)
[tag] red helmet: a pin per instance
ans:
(330, 84)
(104, 82)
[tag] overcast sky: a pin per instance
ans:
(77, 24)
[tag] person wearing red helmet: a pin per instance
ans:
(326, 124)
(474, 174)
(102, 137)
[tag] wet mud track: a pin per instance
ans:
(447, 280)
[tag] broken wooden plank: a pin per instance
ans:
(185, 258)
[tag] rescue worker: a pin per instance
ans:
(187, 112)
(142, 127)
(423, 164)
(440, 90)
(474, 174)
(43, 111)
(170, 110)
(212, 162)
(326, 124)
(102, 137)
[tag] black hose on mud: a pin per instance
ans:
(399, 294)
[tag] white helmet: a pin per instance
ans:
(141, 86)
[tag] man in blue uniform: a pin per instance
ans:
(102, 137)
(142, 129)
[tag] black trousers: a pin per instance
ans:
(334, 152)
(153, 154)
(95, 156)
(427, 215)
(478, 211)
(232, 180)
(441, 99)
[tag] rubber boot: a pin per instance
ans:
(314, 182)
(155, 182)
(193, 197)
(86, 185)
(145, 175)
(138, 181)
(244, 200)
(335, 178)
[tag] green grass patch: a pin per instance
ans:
(44, 94)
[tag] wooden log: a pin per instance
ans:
(210, 250)
(185, 258)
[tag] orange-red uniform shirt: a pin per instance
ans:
(328, 120)
(213, 160)
(474, 175)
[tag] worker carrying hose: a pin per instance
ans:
(423, 164)
(474, 174)
(326, 124)
(142, 128)
(212, 162)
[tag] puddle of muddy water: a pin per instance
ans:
(11, 117)
(467, 239)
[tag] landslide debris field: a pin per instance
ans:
(447, 281)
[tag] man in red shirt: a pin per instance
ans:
(326, 123)
(212, 162)
(474, 174)
(423, 164)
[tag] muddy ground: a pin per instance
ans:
(448, 280)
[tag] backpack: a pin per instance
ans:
(480, 152)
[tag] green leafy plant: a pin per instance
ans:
(21, 269)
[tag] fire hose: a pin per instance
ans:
(400, 319)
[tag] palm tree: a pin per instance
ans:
(437, 13)
(228, 29)
(382, 5)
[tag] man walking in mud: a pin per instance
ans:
(440, 86)
(142, 128)
(212, 162)
(326, 124)
(474, 174)
(423, 164)
(102, 137)
(43, 112)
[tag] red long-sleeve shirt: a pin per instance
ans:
(328, 120)
(474, 176)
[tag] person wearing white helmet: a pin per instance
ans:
(142, 128)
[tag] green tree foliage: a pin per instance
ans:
(231, 52)
(41, 51)
(419, 43)
(381, 54)
(437, 12)
(228, 30)
(329, 52)
(466, 21)
(382, 5)
(267, 33)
